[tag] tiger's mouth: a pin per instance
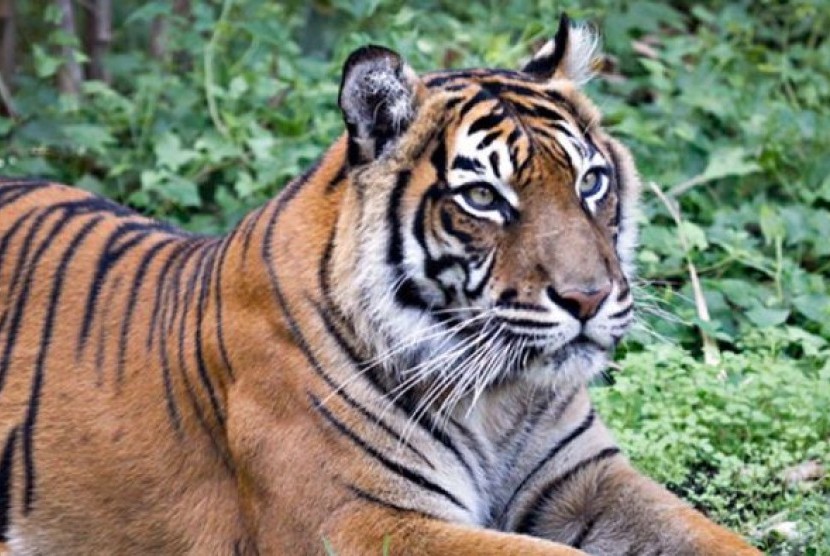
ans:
(531, 345)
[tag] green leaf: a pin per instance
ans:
(170, 187)
(45, 64)
(170, 154)
(733, 161)
(765, 318)
(814, 307)
(772, 225)
(694, 235)
(89, 137)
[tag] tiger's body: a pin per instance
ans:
(395, 349)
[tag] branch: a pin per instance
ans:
(711, 353)
(69, 76)
(6, 99)
(98, 37)
(8, 45)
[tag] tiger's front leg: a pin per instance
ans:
(584, 493)
(363, 530)
(612, 509)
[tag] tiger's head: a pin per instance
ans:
(489, 225)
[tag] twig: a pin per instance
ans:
(6, 99)
(213, 110)
(711, 353)
(69, 75)
(683, 187)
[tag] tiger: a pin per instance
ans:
(393, 354)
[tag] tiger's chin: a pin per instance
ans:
(570, 365)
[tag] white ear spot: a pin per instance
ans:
(581, 53)
(572, 54)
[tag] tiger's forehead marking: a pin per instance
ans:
(485, 150)
(503, 121)
(580, 151)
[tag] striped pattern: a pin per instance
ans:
(416, 300)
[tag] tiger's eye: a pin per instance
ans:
(589, 183)
(481, 196)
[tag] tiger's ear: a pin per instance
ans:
(378, 98)
(572, 54)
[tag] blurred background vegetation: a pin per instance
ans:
(196, 111)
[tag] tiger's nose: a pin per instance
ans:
(582, 304)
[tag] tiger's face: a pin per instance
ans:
(503, 250)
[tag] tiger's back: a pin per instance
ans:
(89, 289)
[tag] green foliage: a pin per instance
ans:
(724, 104)
(723, 438)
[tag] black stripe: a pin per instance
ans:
(449, 227)
(407, 294)
(190, 297)
(17, 308)
(112, 252)
(438, 159)
(339, 177)
(487, 121)
(6, 462)
(341, 393)
(103, 330)
(527, 323)
(168, 312)
(45, 344)
(25, 252)
(615, 172)
(480, 96)
(494, 163)
(530, 519)
(138, 282)
(395, 252)
(11, 194)
(204, 278)
(324, 270)
(550, 114)
(488, 139)
(4, 243)
(466, 163)
(622, 312)
(162, 286)
(217, 299)
(476, 292)
(399, 469)
(582, 536)
(525, 426)
(368, 497)
(573, 435)
(205, 252)
(249, 224)
(178, 314)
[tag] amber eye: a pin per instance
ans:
(481, 197)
